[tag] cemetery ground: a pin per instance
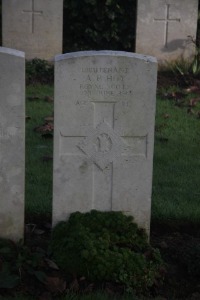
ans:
(175, 218)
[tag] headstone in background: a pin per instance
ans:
(33, 26)
(164, 28)
(104, 133)
(12, 143)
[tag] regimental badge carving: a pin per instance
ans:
(102, 145)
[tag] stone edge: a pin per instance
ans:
(10, 51)
(147, 58)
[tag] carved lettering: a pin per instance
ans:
(99, 77)
(115, 78)
(103, 81)
(81, 102)
(88, 78)
(105, 70)
(125, 103)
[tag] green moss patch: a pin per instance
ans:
(107, 247)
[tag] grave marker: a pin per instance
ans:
(33, 26)
(12, 140)
(103, 136)
(164, 28)
(166, 21)
(33, 14)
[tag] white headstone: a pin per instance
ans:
(164, 28)
(104, 133)
(12, 140)
(33, 26)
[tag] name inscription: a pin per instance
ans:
(103, 82)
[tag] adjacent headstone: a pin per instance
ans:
(104, 133)
(33, 26)
(165, 28)
(12, 143)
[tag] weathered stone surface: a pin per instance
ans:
(12, 140)
(33, 26)
(164, 27)
(104, 133)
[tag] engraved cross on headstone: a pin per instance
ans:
(166, 21)
(32, 13)
(103, 145)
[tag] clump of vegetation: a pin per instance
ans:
(186, 71)
(39, 71)
(107, 247)
(19, 263)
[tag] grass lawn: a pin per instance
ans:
(39, 172)
(176, 189)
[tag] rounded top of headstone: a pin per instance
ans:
(12, 52)
(105, 53)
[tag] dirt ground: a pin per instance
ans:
(180, 248)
